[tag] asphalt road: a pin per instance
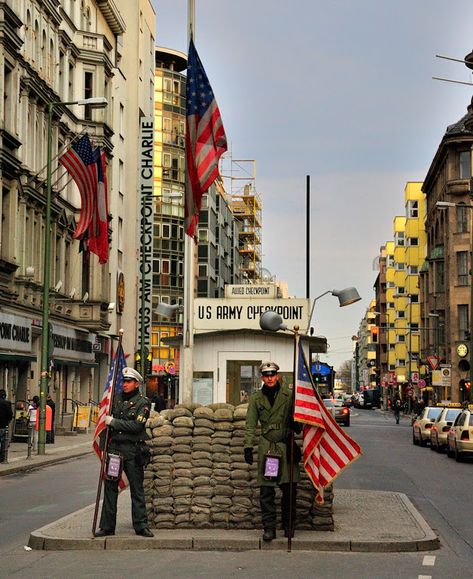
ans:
(439, 487)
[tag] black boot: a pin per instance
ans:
(269, 535)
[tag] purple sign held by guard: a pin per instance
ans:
(271, 467)
(114, 466)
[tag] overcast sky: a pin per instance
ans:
(340, 90)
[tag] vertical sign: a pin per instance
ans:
(146, 232)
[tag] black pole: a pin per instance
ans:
(291, 448)
(307, 291)
(107, 435)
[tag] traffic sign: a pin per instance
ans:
(421, 383)
(414, 377)
(433, 362)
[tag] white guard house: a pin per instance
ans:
(229, 345)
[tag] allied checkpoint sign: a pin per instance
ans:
(211, 315)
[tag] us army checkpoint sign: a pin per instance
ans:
(236, 314)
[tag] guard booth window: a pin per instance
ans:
(243, 378)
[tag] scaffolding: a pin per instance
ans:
(246, 206)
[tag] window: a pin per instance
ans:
(463, 323)
(391, 305)
(413, 241)
(413, 209)
(401, 338)
(413, 270)
(399, 238)
(465, 164)
(400, 314)
(462, 220)
(400, 266)
(401, 362)
(462, 267)
(401, 290)
(88, 93)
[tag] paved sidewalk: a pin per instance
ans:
(64, 448)
(368, 521)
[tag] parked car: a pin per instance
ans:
(371, 398)
(441, 426)
(460, 435)
(338, 410)
(423, 423)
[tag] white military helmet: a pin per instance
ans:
(131, 374)
(268, 367)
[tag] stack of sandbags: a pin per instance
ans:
(198, 477)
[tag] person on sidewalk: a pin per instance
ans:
(32, 417)
(6, 415)
(127, 426)
(397, 406)
(50, 434)
(272, 407)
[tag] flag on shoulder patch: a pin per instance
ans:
(326, 448)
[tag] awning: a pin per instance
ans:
(16, 357)
(80, 363)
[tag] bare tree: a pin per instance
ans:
(344, 373)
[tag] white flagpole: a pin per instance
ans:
(186, 372)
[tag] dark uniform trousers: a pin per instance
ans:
(268, 505)
(135, 474)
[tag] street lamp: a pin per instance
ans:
(345, 297)
(441, 204)
(94, 102)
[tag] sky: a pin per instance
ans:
(340, 90)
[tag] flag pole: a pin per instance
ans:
(292, 437)
(107, 433)
(186, 373)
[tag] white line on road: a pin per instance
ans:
(425, 577)
(429, 560)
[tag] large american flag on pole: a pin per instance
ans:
(80, 162)
(205, 138)
(326, 448)
(105, 410)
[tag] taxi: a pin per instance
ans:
(423, 423)
(460, 436)
(441, 426)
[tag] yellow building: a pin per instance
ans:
(405, 256)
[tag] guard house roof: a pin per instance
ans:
(317, 344)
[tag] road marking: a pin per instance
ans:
(428, 561)
(425, 577)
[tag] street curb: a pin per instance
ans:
(46, 538)
(39, 463)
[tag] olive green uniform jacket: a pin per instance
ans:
(275, 432)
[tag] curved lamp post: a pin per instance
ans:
(345, 297)
(94, 102)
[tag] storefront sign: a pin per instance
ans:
(250, 291)
(71, 344)
(231, 314)
(15, 333)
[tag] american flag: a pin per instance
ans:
(326, 448)
(105, 409)
(205, 138)
(80, 162)
(98, 230)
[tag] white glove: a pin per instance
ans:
(108, 420)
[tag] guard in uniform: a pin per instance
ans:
(127, 438)
(272, 406)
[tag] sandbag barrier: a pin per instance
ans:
(198, 478)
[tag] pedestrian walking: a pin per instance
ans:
(6, 415)
(397, 406)
(272, 407)
(127, 425)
